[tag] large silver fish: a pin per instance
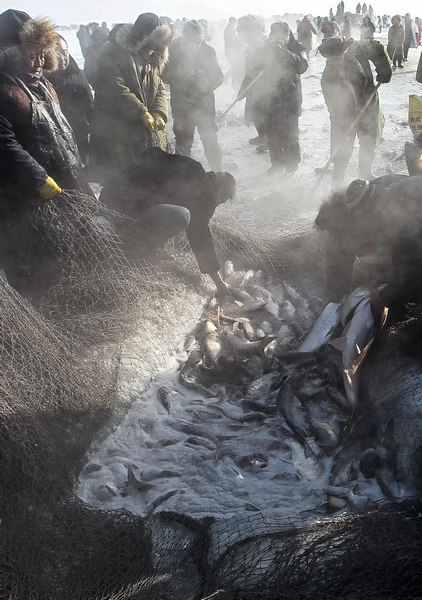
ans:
(354, 344)
(322, 329)
(352, 301)
(296, 417)
(243, 347)
(308, 467)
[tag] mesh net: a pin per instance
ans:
(67, 364)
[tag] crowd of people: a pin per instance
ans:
(58, 122)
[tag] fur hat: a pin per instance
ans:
(157, 41)
(19, 32)
(144, 26)
(333, 46)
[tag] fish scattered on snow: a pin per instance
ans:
(151, 474)
(164, 396)
(158, 501)
(162, 443)
(356, 501)
(137, 484)
(197, 441)
(309, 467)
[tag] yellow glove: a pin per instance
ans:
(148, 120)
(49, 189)
(160, 124)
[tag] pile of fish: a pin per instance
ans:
(275, 399)
(307, 398)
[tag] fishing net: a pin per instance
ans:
(104, 319)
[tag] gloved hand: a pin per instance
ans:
(160, 124)
(148, 120)
(49, 189)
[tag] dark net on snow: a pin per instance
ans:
(104, 322)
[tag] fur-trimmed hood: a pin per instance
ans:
(35, 33)
(152, 49)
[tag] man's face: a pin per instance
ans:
(33, 62)
(62, 55)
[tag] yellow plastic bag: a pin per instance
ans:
(415, 114)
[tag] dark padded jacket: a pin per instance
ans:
(193, 76)
(76, 101)
(279, 88)
(391, 223)
(162, 178)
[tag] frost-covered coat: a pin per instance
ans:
(76, 101)
(347, 85)
(253, 67)
(193, 77)
(128, 84)
(395, 42)
(281, 83)
(305, 29)
(390, 224)
(24, 163)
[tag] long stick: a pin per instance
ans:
(350, 130)
(243, 92)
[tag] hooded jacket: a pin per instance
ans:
(128, 84)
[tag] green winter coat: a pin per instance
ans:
(127, 84)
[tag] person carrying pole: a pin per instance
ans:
(347, 84)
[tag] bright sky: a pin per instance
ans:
(82, 11)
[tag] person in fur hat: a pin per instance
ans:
(38, 151)
(130, 100)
